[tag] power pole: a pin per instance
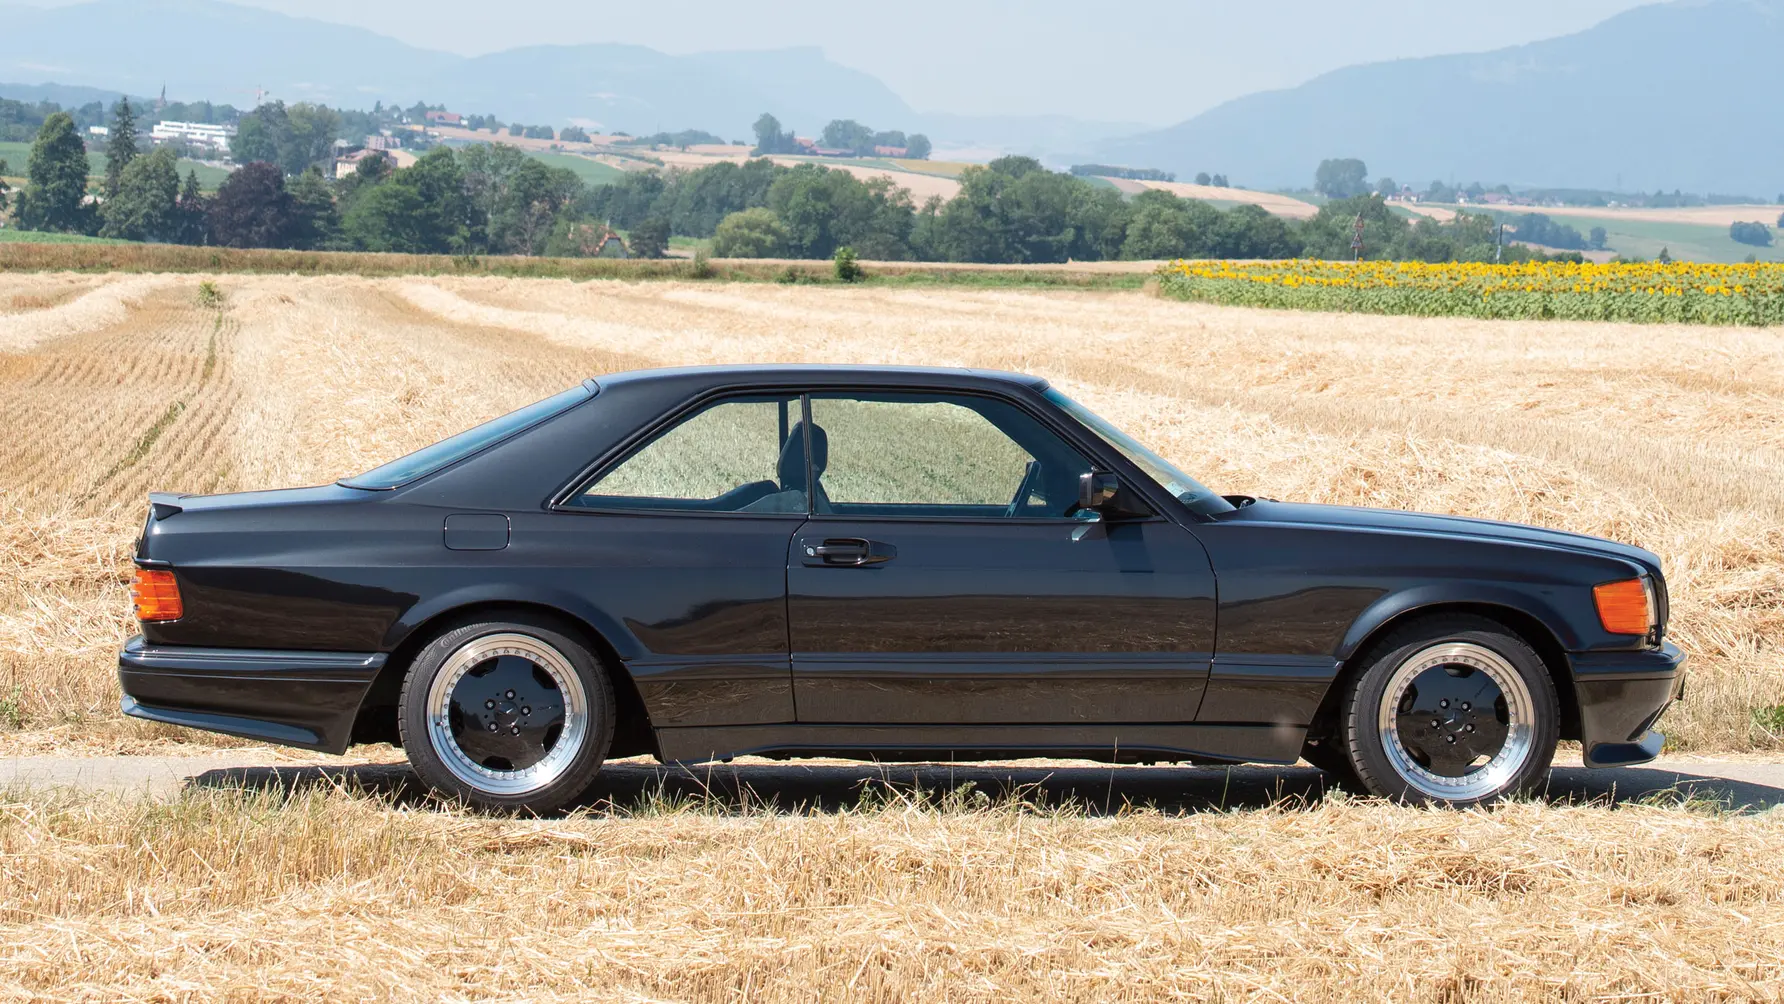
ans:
(1499, 252)
(1356, 242)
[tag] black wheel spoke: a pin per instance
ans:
(506, 712)
(1450, 720)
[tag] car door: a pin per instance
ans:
(943, 577)
(683, 543)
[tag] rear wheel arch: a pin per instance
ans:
(377, 718)
(1534, 632)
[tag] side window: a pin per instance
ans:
(938, 455)
(737, 455)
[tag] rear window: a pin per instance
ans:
(447, 452)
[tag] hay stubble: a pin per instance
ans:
(1669, 438)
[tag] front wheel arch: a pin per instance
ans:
(1531, 629)
(377, 719)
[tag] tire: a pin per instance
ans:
(469, 722)
(1458, 751)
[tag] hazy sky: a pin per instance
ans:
(1146, 60)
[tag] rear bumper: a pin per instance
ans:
(304, 699)
(1621, 695)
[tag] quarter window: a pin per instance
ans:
(738, 455)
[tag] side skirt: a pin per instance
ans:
(919, 743)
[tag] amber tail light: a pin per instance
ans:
(1624, 607)
(157, 595)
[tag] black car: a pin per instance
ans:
(878, 563)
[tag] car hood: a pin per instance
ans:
(1397, 521)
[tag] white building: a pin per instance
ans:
(216, 137)
(100, 131)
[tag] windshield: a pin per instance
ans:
(447, 452)
(1187, 489)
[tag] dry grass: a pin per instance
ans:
(250, 896)
(1669, 437)
(1277, 205)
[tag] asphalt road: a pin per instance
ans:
(828, 786)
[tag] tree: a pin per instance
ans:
(1596, 238)
(1665, 257)
(421, 209)
(1387, 186)
(1220, 181)
(260, 133)
(120, 146)
(145, 206)
(574, 134)
(314, 219)
(917, 146)
(846, 265)
(770, 139)
(513, 201)
(1341, 179)
(650, 239)
(313, 130)
(824, 209)
(1780, 215)
(751, 233)
(192, 210)
(251, 209)
(293, 138)
(1755, 234)
(56, 190)
(1165, 226)
(1203, 178)
(847, 134)
(5, 189)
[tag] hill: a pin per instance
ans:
(1667, 96)
(208, 49)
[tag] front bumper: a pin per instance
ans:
(1621, 695)
(304, 699)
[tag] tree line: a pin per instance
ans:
(496, 199)
(1012, 210)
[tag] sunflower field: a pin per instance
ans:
(1675, 292)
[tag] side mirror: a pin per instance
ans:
(1097, 490)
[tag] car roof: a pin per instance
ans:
(703, 377)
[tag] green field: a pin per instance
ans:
(11, 236)
(592, 172)
(18, 155)
(1634, 238)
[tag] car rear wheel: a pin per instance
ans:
(1458, 711)
(513, 714)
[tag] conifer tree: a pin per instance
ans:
(120, 147)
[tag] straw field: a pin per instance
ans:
(327, 896)
(110, 386)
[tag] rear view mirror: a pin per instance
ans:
(1097, 490)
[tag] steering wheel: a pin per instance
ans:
(1030, 477)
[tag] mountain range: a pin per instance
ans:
(207, 49)
(1675, 95)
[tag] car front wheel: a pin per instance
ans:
(512, 714)
(1453, 711)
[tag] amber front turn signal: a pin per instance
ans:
(157, 595)
(1624, 607)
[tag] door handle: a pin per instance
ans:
(846, 552)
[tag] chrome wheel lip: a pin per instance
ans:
(570, 738)
(1493, 776)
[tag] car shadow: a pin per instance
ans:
(835, 787)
